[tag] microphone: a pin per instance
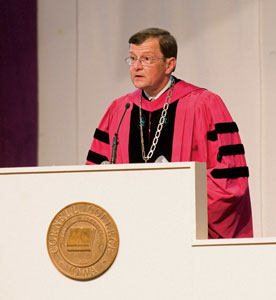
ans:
(115, 139)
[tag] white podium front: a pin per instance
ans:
(154, 206)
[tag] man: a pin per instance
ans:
(178, 121)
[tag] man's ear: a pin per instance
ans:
(171, 64)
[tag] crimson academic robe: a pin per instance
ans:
(199, 128)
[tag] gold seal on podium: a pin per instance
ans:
(82, 240)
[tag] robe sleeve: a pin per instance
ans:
(100, 147)
(217, 142)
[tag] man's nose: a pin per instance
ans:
(138, 64)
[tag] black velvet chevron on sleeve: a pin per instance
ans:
(101, 136)
(95, 157)
(227, 127)
(230, 150)
(230, 172)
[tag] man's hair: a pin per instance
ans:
(167, 42)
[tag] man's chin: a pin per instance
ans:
(138, 84)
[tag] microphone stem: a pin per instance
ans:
(115, 139)
(114, 148)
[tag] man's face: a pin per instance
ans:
(154, 77)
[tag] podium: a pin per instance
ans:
(161, 215)
(159, 209)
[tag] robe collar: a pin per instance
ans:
(181, 89)
(159, 94)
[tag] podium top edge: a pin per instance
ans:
(98, 168)
(235, 241)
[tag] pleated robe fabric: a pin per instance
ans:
(203, 132)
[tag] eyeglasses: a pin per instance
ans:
(144, 60)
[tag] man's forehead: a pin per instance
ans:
(149, 45)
